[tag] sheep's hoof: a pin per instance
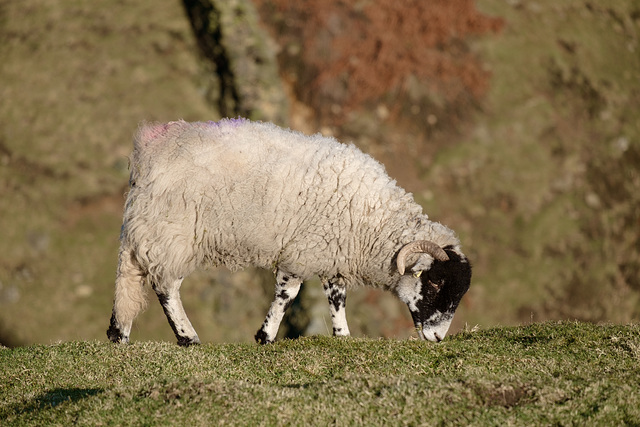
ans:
(188, 341)
(115, 335)
(261, 337)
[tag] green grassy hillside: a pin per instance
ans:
(540, 374)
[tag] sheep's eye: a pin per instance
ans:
(436, 286)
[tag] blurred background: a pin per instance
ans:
(516, 123)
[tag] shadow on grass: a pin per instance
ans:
(53, 398)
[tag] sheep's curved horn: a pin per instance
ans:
(422, 247)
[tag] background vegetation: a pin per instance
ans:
(515, 123)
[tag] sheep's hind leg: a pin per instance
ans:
(172, 305)
(129, 299)
(287, 288)
(337, 296)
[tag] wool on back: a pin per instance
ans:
(242, 193)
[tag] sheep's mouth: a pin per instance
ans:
(428, 336)
(435, 332)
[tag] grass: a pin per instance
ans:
(547, 373)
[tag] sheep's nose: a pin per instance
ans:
(437, 337)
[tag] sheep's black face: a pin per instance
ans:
(433, 294)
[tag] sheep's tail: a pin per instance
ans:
(130, 297)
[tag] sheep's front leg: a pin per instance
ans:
(287, 288)
(169, 298)
(337, 296)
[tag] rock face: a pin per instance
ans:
(242, 78)
(544, 178)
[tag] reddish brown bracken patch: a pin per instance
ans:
(348, 53)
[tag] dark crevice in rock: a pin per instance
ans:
(205, 19)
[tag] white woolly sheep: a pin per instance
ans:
(239, 193)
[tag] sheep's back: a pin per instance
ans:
(255, 194)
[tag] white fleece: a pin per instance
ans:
(241, 193)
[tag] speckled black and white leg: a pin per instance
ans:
(169, 298)
(287, 288)
(337, 295)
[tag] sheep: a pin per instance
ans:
(238, 193)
